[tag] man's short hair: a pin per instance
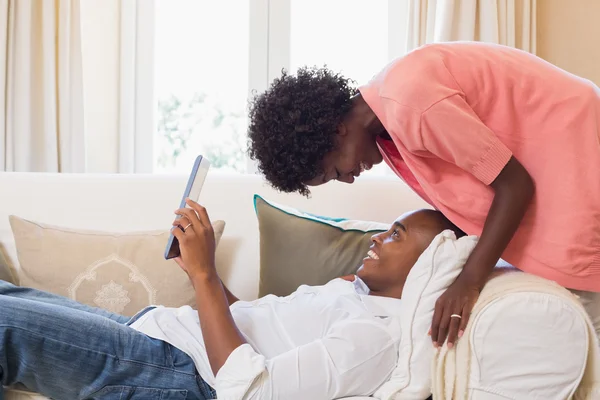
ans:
(445, 223)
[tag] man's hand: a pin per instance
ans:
(196, 238)
(197, 247)
(452, 311)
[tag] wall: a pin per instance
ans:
(568, 35)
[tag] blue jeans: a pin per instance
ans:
(66, 350)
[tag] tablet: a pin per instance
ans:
(192, 191)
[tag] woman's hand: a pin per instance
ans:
(196, 238)
(513, 191)
(452, 311)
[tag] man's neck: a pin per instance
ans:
(363, 288)
(395, 293)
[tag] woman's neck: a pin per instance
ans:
(365, 115)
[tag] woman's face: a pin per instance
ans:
(356, 151)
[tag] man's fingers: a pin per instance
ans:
(202, 213)
(190, 215)
(181, 220)
(179, 262)
(184, 226)
(178, 233)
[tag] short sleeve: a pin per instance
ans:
(452, 131)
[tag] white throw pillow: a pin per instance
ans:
(434, 271)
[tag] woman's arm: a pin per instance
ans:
(513, 191)
(452, 131)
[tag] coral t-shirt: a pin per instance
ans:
(457, 112)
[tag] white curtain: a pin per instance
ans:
(507, 22)
(136, 98)
(41, 90)
(76, 80)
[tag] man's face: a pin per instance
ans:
(394, 252)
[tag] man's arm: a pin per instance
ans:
(230, 297)
(221, 335)
(197, 246)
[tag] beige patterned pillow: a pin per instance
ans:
(122, 273)
(5, 273)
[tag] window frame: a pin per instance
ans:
(269, 52)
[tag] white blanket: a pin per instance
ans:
(500, 333)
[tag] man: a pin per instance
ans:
(324, 342)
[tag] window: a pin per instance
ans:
(211, 54)
(349, 36)
(201, 83)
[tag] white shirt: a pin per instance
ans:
(320, 342)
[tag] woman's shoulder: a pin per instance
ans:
(416, 81)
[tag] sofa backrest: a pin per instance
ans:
(124, 203)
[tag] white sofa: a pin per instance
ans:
(122, 203)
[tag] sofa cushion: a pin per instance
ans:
(435, 270)
(298, 248)
(120, 272)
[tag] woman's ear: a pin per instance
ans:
(342, 130)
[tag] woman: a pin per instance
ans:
(472, 128)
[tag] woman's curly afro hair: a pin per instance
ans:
(293, 125)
